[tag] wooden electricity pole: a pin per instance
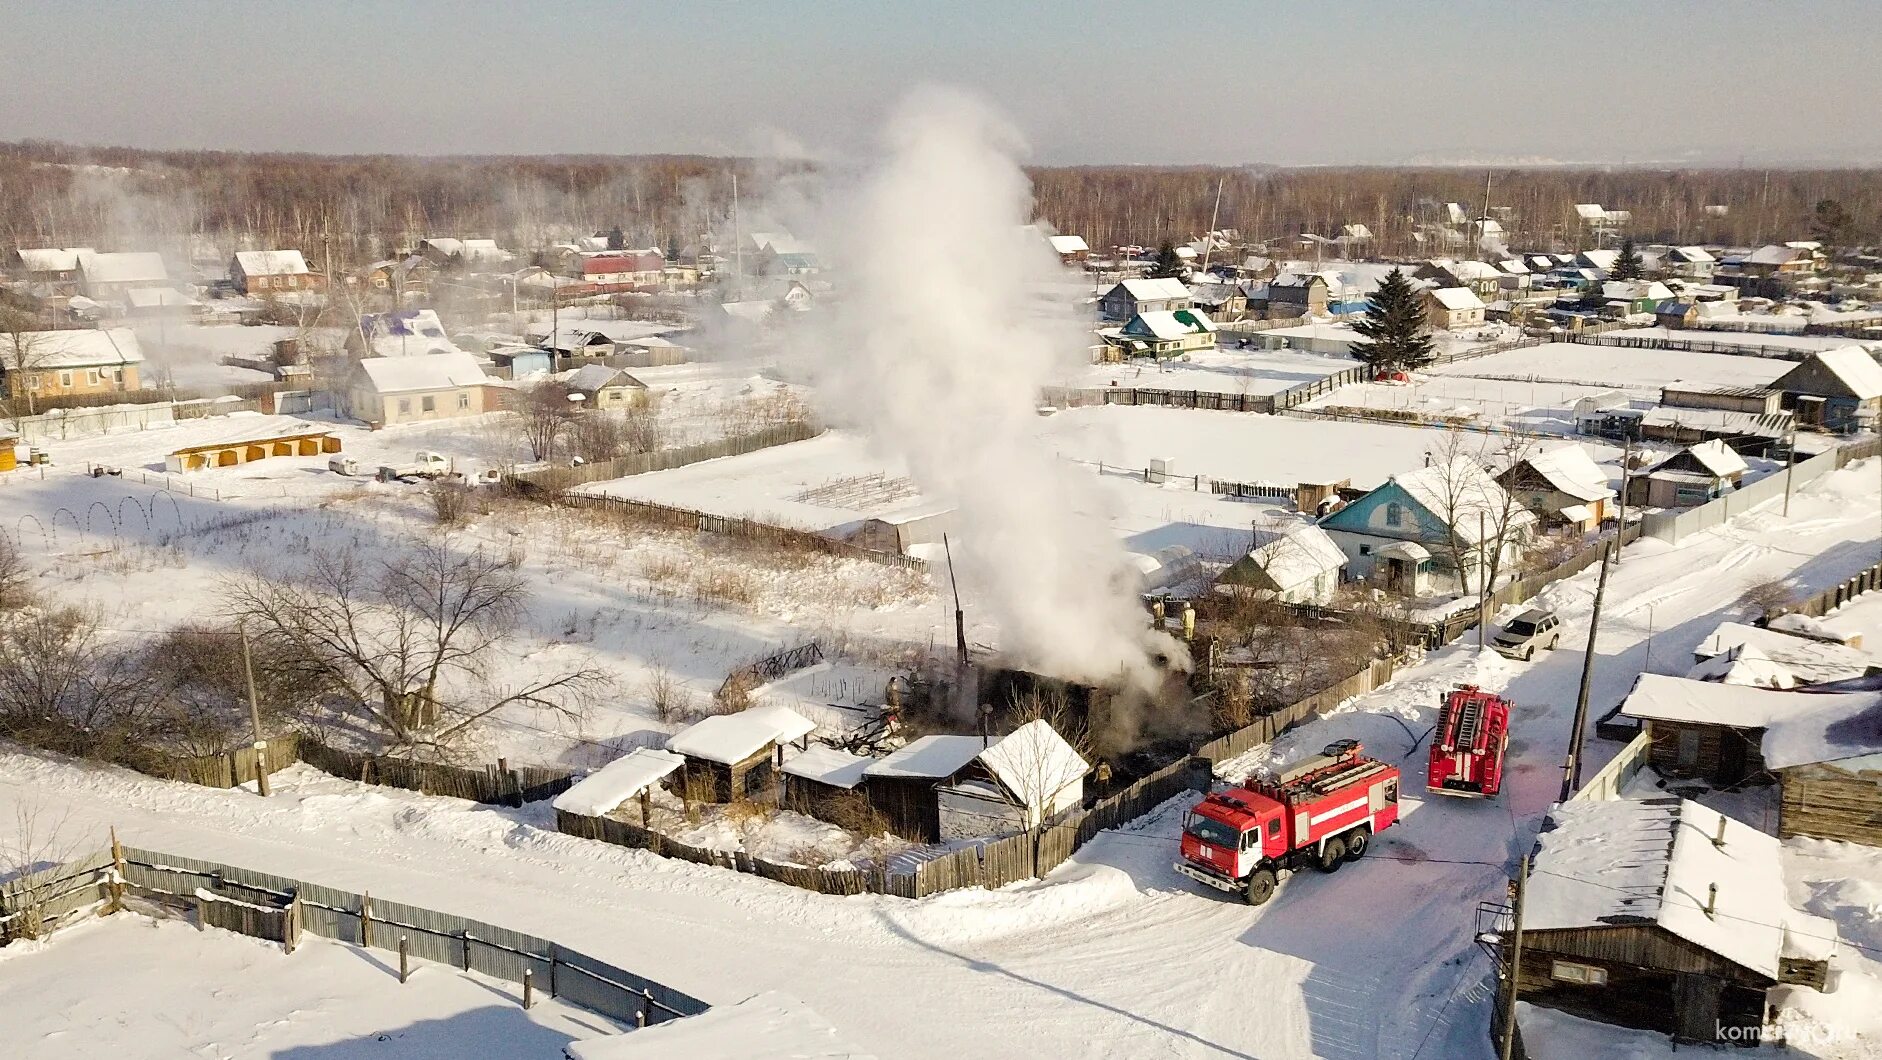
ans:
(1790, 467)
(1516, 958)
(1571, 766)
(254, 719)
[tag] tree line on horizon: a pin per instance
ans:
(366, 207)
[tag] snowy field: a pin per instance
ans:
(1541, 407)
(1082, 960)
(1747, 339)
(131, 986)
(1611, 367)
(1223, 370)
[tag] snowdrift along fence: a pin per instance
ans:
(1024, 856)
(1672, 526)
(556, 479)
(32, 904)
(1819, 604)
(446, 938)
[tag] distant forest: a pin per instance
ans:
(358, 208)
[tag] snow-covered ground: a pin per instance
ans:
(1747, 339)
(133, 986)
(1611, 367)
(1222, 370)
(1114, 954)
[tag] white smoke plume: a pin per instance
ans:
(938, 351)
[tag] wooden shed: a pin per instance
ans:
(730, 757)
(247, 445)
(1828, 761)
(902, 786)
(1705, 730)
(1663, 915)
(819, 777)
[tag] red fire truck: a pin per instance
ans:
(1468, 746)
(1322, 812)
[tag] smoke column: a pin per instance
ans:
(944, 337)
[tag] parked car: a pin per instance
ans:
(1534, 628)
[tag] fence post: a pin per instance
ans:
(291, 936)
(365, 920)
(645, 1015)
(529, 988)
(405, 961)
(116, 904)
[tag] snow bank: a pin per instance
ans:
(768, 1026)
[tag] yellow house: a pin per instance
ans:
(430, 386)
(39, 364)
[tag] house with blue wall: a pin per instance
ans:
(1400, 534)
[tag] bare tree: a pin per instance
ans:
(544, 415)
(14, 574)
(66, 686)
(1035, 762)
(24, 354)
(1481, 520)
(406, 643)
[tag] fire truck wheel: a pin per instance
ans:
(1333, 855)
(1356, 844)
(1260, 887)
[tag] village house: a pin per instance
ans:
(50, 272)
(1689, 263)
(1707, 730)
(1562, 485)
(1776, 259)
(621, 270)
(602, 387)
(431, 386)
(449, 250)
(256, 272)
(1452, 308)
(1301, 294)
(1130, 298)
(400, 333)
(1480, 279)
(108, 276)
(1601, 261)
(1072, 250)
(734, 757)
(1663, 915)
(35, 365)
(1692, 476)
(1301, 566)
(1835, 390)
(1401, 533)
(1628, 297)
(1828, 762)
(1162, 334)
(1029, 777)
(1222, 301)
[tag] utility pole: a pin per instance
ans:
(1516, 958)
(1627, 460)
(1571, 766)
(254, 719)
(1483, 591)
(1208, 239)
(1790, 466)
(960, 616)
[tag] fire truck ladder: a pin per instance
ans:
(1468, 724)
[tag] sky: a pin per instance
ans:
(1086, 81)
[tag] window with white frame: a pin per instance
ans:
(1580, 974)
(65, 378)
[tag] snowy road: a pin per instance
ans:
(1114, 955)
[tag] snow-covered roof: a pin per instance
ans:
(1694, 255)
(1170, 323)
(1843, 729)
(445, 245)
(1810, 661)
(1068, 244)
(158, 298)
(1743, 666)
(1569, 469)
(827, 765)
(1457, 299)
(427, 371)
(53, 259)
(1297, 558)
(1513, 266)
(1777, 254)
(1720, 459)
(1458, 492)
(768, 1026)
(1659, 698)
(1604, 260)
(1472, 270)
(1145, 290)
(928, 758)
(1854, 366)
(1746, 424)
(1034, 762)
(592, 377)
(732, 738)
(1626, 862)
(271, 262)
(1589, 211)
(618, 781)
(127, 267)
(78, 348)
(755, 312)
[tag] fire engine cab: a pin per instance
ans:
(1468, 746)
(1322, 812)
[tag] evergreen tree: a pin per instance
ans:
(1831, 224)
(673, 247)
(1627, 266)
(617, 239)
(1168, 264)
(1394, 328)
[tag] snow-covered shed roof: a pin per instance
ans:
(126, 267)
(1777, 254)
(271, 262)
(1659, 698)
(53, 259)
(1626, 862)
(827, 765)
(1720, 459)
(1571, 470)
(1034, 762)
(1743, 666)
(768, 1026)
(1143, 290)
(1068, 244)
(1693, 255)
(427, 371)
(1457, 299)
(1170, 323)
(1605, 260)
(620, 780)
(1513, 266)
(928, 758)
(1811, 661)
(1844, 729)
(732, 738)
(1744, 424)
(592, 377)
(77, 348)
(1299, 557)
(1853, 366)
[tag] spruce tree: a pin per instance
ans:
(1830, 224)
(1627, 266)
(1394, 328)
(1168, 264)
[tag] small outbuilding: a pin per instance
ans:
(819, 775)
(244, 441)
(901, 786)
(1693, 476)
(1707, 730)
(730, 757)
(1836, 390)
(1828, 761)
(1303, 566)
(631, 776)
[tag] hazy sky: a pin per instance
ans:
(1273, 81)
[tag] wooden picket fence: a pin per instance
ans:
(553, 480)
(37, 902)
(506, 784)
(1265, 729)
(1819, 604)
